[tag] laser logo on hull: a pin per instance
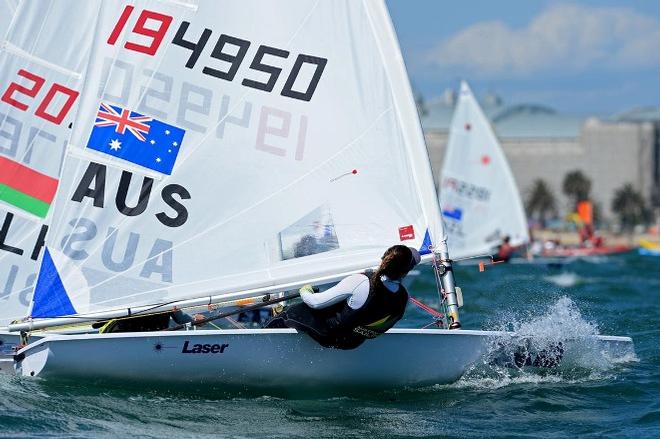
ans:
(207, 348)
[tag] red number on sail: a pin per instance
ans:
(155, 34)
(38, 82)
(32, 91)
(57, 119)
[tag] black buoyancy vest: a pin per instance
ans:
(340, 326)
(379, 313)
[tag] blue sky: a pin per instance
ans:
(593, 57)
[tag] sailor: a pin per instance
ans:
(360, 307)
(504, 251)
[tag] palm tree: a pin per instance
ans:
(630, 206)
(576, 186)
(541, 201)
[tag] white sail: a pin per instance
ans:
(479, 197)
(7, 10)
(268, 143)
(43, 57)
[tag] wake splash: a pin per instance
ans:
(559, 346)
(564, 280)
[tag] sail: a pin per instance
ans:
(227, 146)
(43, 56)
(479, 197)
(7, 10)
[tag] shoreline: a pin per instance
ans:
(572, 238)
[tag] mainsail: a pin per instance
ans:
(479, 198)
(43, 57)
(239, 145)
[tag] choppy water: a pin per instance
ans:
(617, 296)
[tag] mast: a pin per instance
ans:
(422, 173)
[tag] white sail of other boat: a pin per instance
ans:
(43, 57)
(478, 194)
(220, 150)
(7, 11)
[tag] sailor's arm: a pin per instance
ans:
(345, 289)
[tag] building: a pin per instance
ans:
(542, 143)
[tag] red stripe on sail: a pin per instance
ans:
(27, 181)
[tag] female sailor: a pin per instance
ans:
(359, 307)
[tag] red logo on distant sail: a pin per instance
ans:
(406, 233)
(485, 159)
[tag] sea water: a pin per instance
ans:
(601, 397)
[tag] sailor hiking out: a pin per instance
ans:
(359, 307)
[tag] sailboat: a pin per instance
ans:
(43, 62)
(230, 153)
(478, 194)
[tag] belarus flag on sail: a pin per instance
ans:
(140, 139)
(26, 188)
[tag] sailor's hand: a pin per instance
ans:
(306, 289)
(198, 317)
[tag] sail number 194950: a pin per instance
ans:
(229, 50)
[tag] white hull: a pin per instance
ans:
(8, 343)
(269, 360)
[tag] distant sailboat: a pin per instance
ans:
(278, 145)
(479, 198)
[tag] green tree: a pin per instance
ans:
(576, 186)
(655, 196)
(541, 201)
(630, 206)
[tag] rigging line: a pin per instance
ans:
(263, 200)
(425, 307)
(237, 311)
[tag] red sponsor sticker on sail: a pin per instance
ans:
(406, 232)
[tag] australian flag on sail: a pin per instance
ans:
(140, 139)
